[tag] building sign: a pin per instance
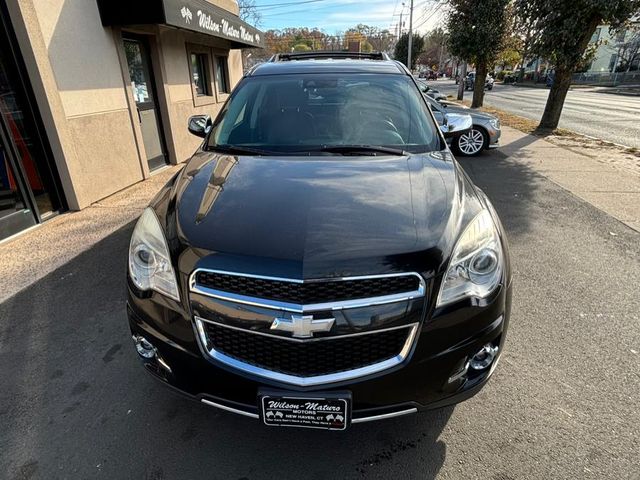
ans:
(201, 16)
(195, 15)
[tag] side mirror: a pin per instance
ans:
(456, 125)
(199, 125)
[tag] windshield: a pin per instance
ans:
(310, 112)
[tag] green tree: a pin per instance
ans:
(476, 31)
(435, 48)
(564, 28)
(401, 52)
(301, 47)
(510, 55)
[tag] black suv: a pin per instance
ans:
(322, 260)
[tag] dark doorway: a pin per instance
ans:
(136, 48)
(29, 188)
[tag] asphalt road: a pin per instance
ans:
(615, 118)
(564, 403)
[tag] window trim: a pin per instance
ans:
(210, 97)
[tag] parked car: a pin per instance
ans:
(322, 260)
(429, 91)
(470, 81)
(428, 74)
(484, 134)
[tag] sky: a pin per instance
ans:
(333, 16)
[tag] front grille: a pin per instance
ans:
(307, 358)
(309, 292)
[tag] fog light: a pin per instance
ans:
(484, 357)
(144, 348)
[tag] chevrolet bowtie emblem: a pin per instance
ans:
(303, 326)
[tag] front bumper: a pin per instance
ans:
(494, 136)
(429, 378)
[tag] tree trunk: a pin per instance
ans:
(463, 75)
(555, 101)
(478, 88)
(562, 81)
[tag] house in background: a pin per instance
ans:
(616, 51)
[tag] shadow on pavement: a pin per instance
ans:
(509, 182)
(75, 403)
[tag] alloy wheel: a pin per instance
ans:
(471, 142)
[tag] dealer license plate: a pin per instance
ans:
(328, 411)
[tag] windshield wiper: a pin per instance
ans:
(237, 150)
(358, 150)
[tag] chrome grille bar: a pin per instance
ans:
(310, 380)
(298, 308)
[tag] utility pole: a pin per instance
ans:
(400, 25)
(410, 36)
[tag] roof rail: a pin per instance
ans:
(285, 57)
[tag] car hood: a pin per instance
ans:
(318, 217)
(456, 108)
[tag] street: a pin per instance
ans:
(615, 118)
(76, 403)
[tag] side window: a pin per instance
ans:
(200, 73)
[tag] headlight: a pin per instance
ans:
(476, 265)
(495, 123)
(149, 262)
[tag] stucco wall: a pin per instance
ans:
(84, 61)
(173, 47)
(230, 5)
(85, 100)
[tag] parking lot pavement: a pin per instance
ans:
(75, 403)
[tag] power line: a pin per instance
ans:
(286, 4)
(271, 5)
(315, 9)
(440, 5)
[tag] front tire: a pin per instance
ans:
(471, 143)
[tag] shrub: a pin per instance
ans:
(503, 73)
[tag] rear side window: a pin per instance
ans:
(288, 113)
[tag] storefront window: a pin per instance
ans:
(222, 75)
(23, 159)
(11, 199)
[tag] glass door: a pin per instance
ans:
(29, 187)
(15, 214)
(139, 62)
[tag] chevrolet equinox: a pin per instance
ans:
(322, 260)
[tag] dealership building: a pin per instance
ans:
(95, 94)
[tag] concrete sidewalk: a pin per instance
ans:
(630, 90)
(594, 179)
(34, 254)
